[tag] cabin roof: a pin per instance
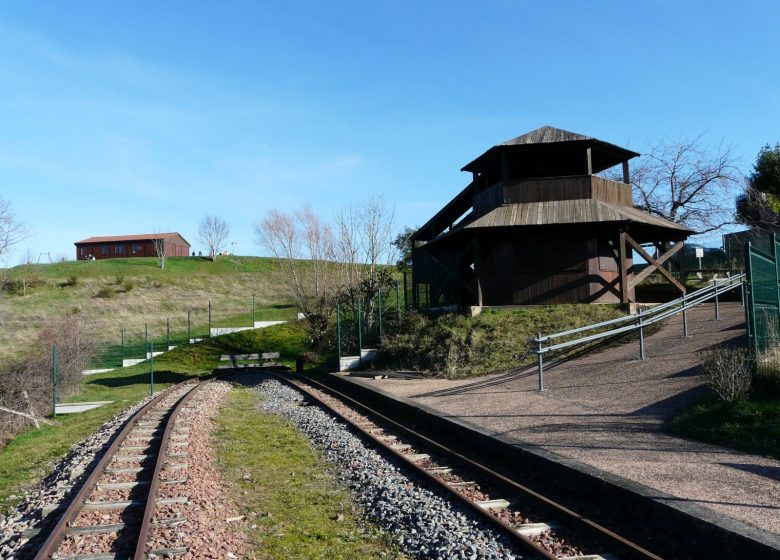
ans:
(138, 237)
(611, 154)
(569, 212)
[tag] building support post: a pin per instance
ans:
(626, 175)
(589, 159)
(623, 268)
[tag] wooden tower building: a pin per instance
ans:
(536, 226)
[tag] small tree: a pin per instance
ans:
(159, 248)
(364, 247)
(759, 205)
(303, 247)
(213, 232)
(403, 244)
(11, 229)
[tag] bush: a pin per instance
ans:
(128, 286)
(26, 384)
(72, 280)
(106, 292)
(729, 372)
(120, 278)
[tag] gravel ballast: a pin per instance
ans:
(57, 488)
(423, 523)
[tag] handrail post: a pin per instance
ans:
(685, 317)
(641, 340)
(540, 361)
(717, 303)
(742, 293)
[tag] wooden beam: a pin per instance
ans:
(656, 264)
(478, 270)
(626, 175)
(623, 264)
(589, 160)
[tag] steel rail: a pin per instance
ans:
(563, 514)
(59, 531)
(154, 485)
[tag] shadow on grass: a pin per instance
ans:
(140, 379)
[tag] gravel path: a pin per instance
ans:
(607, 410)
(56, 489)
(423, 523)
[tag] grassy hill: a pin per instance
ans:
(139, 293)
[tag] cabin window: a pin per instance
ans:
(104, 249)
(135, 248)
(83, 251)
(119, 249)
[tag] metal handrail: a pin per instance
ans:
(639, 321)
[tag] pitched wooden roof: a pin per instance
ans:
(139, 237)
(548, 135)
(578, 211)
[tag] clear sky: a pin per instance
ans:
(128, 117)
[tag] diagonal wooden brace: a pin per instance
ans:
(655, 264)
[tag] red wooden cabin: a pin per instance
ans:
(126, 246)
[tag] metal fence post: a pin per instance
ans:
(209, 318)
(151, 368)
(122, 345)
(641, 339)
(167, 333)
(398, 299)
(360, 332)
(540, 361)
(379, 307)
(685, 317)
(189, 323)
(253, 310)
(338, 332)
(54, 381)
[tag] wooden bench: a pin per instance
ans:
(267, 358)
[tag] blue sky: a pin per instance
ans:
(129, 117)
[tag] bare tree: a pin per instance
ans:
(364, 247)
(11, 229)
(159, 244)
(213, 232)
(688, 183)
(303, 247)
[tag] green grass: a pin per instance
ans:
(496, 340)
(28, 457)
(288, 491)
(185, 284)
(751, 425)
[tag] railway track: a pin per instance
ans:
(539, 527)
(121, 504)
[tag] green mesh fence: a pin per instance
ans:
(762, 309)
(361, 325)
